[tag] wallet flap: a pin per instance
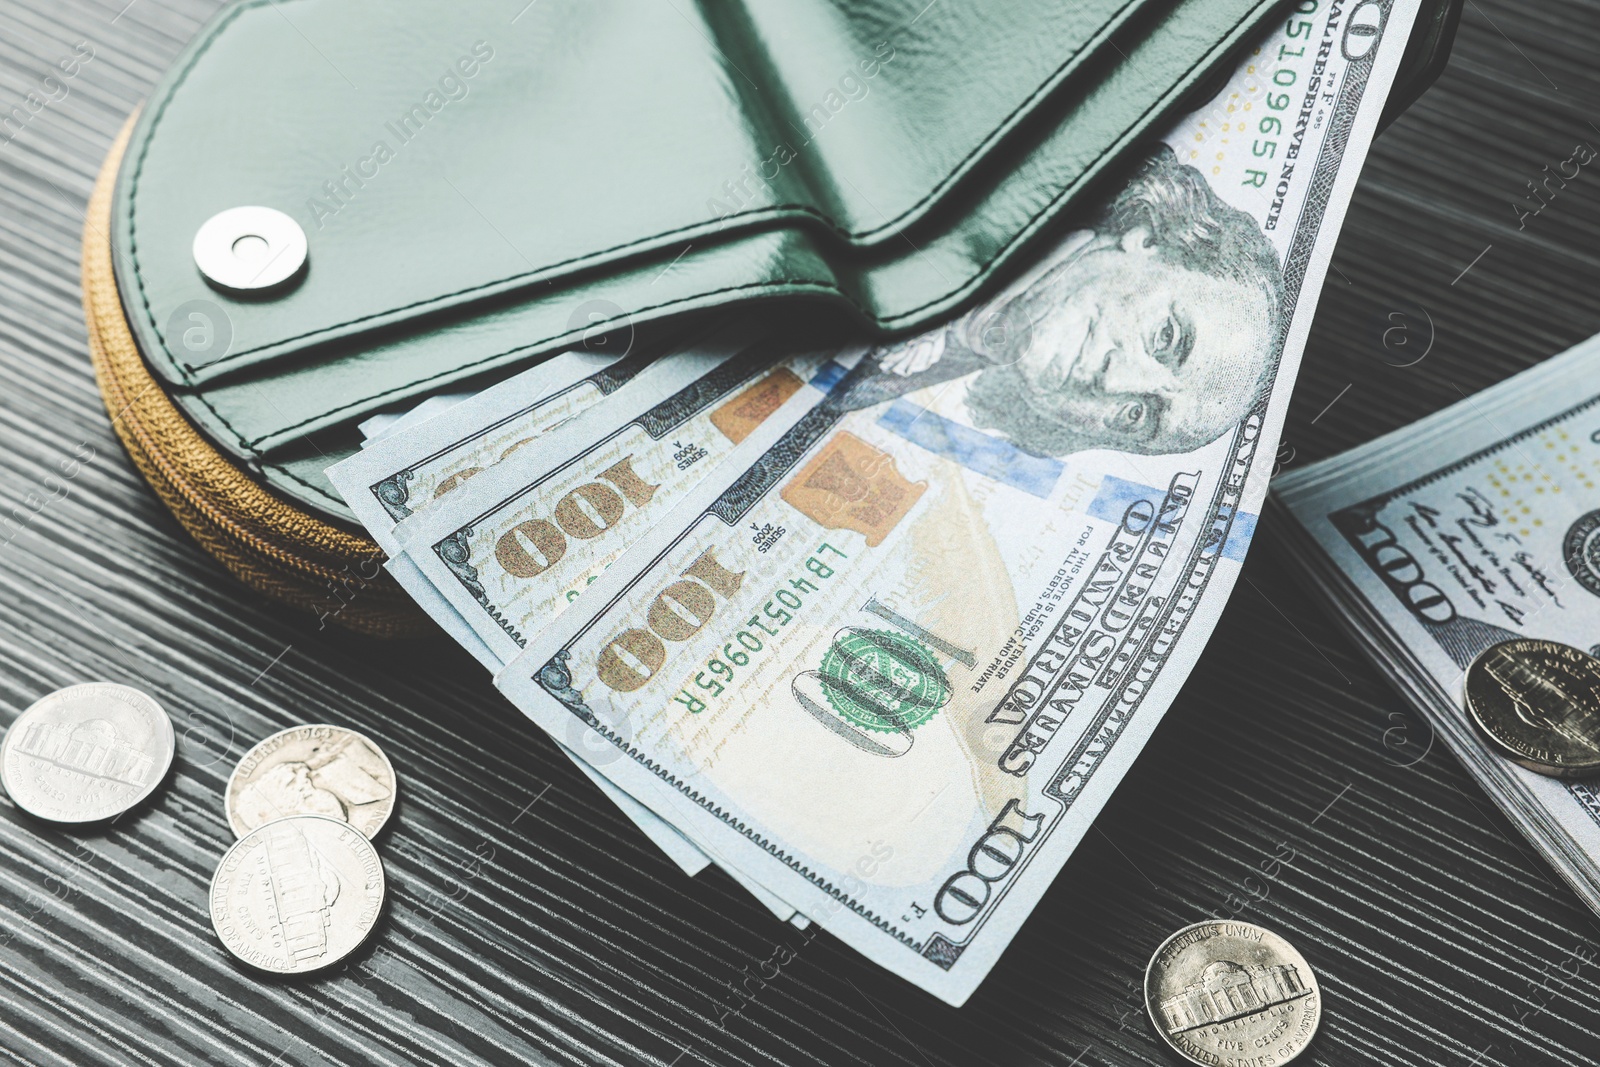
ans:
(268, 410)
(437, 156)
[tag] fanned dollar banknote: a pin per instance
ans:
(1474, 526)
(412, 459)
(415, 459)
(403, 471)
(526, 538)
(880, 629)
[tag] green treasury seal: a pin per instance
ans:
(881, 680)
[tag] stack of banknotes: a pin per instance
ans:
(877, 629)
(1474, 526)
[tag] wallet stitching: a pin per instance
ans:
(188, 369)
(1042, 89)
(832, 287)
(313, 487)
(769, 284)
(824, 286)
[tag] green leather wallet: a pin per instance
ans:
(457, 190)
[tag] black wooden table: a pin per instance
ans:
(527, 922)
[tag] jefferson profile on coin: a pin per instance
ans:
(1156, 333)
(286, 789)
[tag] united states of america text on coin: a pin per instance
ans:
(1232, 993)
(312, 770)
(1538, 702)
(86, 753)
(297, 894)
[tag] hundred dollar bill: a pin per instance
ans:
(516, 546)
(412, 470)
(402, 473)
(519, 543)
(892, 656)
(1476, 525)
(415, 461)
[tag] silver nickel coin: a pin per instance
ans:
(297, 894)
(1538, 703)
(312, 770)
(86, 753)
(1232, 992)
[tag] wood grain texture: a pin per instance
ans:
(528, 922)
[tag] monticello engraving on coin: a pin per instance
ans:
(1538, 702)
(312, 770)
(86, 752)
(1232, 993)
(297, 894)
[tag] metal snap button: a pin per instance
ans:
(247, 249)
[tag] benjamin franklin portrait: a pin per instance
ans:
(1155, 333)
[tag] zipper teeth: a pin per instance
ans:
(136, 435)
(225, 525)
